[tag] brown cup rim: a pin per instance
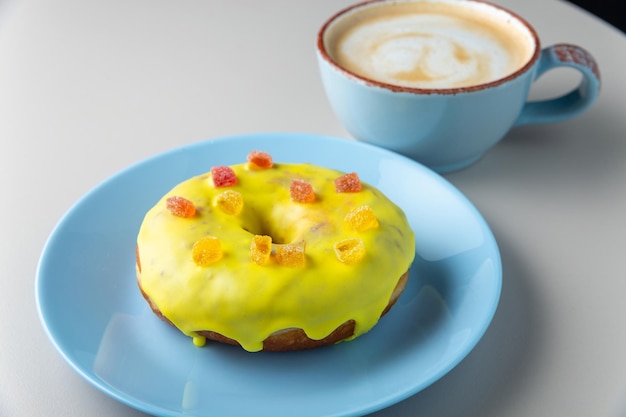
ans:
(397, 88)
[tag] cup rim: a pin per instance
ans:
(321, 48)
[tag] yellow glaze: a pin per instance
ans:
(248, 302)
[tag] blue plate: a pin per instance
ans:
(91, 308)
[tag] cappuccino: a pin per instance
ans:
(429, 44)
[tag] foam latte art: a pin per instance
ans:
(428, 48)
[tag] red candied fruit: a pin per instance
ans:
(180, 206)
(260, 159)
(301, 191)
(223, 176)
(348, 183)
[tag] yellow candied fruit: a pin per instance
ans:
(291, 255)
(350, 251)
(207, 251)
(261, 249)
(361, 219)
(230, 202)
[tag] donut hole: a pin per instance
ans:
(284, 224)
(278, 236)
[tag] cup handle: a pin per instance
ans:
(573, 103)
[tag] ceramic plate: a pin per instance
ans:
(95, 316)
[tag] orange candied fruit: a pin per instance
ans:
(223, 176)
(348, 183)
(180, 206)
(261, 249)
(291, 255)
(259, 160)
(361, 219)
(230, 202)
(301, 191)
(207, 251)
(350, 251)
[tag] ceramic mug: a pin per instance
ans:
(412, 84)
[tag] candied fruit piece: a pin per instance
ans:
(361, 219)
(260, 249)
(207, 251)
(230, 202)
(223, 176)
(180, 206)
(301, 191)
(260, 160)
(291, 255)
(350, 251)
(348, 183)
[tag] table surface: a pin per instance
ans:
(90, 87)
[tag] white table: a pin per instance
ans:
(88, 87)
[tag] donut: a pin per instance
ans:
(273, 256)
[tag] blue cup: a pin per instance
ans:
(449, 128)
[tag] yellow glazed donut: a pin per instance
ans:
(273, 256)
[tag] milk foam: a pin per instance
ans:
(430, 49)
